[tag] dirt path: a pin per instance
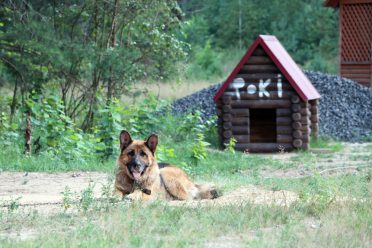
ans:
(353, 157)
(44, 190)
(248, 194)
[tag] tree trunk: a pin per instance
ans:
(89, 118)
(28, 136)
(14, 102)
(111, 42)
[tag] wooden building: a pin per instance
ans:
(267, 103)
(355, 28)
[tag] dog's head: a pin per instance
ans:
(137, 156)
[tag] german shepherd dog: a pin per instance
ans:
(140, 177)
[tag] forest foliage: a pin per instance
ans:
(69, 64)
(307, 29)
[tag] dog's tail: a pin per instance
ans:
(207, 191)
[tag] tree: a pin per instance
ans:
(306, 28)
(87, 46)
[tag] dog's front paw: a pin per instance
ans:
(135, 196)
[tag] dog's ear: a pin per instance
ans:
(125, 140)
(152, 142)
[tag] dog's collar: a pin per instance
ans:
(144, 190)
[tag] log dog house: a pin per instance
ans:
(267, 103)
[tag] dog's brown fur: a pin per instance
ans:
(139, 176)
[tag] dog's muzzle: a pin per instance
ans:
(137, 169)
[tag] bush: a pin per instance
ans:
(205, 63)
(199, 149)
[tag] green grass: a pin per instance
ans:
(326, 143)
(12, 159)
(316, 220)
(160, 225)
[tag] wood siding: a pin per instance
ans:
(241, 115)
(356, 41)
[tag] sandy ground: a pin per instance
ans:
(43, 191)
(46, 188)
(247, 194)
(354, 157)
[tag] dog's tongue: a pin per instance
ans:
(136, 175)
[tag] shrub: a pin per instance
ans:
(229, 147)
(199, 149)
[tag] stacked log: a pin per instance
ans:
(264, 103)
(293, 122)
(305, 122)
(226, 120)
(274, 95)
(314, 118)
(298, 120)
(283, 128)
(238, 105)
(220, 123)
(236, 122)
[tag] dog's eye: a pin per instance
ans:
(131, 153)
(143, 154)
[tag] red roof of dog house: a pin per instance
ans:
(285, 64)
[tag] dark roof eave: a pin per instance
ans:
(331, 3)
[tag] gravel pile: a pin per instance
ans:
(345, 107)
(201, 100)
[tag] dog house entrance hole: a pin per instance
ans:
(262, 125)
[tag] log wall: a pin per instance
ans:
(314, 119)
(294, 119)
